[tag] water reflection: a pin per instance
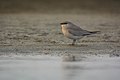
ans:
(51, 68)
(71, 70)
(99, 69)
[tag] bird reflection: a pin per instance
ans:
(71, 70)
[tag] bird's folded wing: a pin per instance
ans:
(78, 32)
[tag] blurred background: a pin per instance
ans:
(59, 6)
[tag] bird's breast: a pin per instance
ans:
(64, 30)
(66, 33)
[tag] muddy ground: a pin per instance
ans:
(36, 34)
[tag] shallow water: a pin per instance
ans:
(53, 68)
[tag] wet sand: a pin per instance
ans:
(32, 46)
(41, 34)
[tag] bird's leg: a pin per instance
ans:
(74, 40)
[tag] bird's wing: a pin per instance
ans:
(77, 31)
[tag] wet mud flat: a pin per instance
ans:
(32, 46)
(41, 33)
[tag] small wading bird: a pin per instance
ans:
(74, 32)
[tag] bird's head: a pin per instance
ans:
(65, 24)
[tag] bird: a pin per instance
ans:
(74, 32)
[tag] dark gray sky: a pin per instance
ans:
(59, 6)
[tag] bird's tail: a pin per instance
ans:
(95, 32)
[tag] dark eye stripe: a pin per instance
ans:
(63, 23)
